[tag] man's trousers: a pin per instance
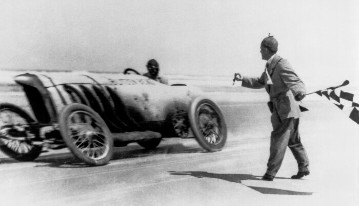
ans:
(285, 133)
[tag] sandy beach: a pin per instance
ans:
(329, 136)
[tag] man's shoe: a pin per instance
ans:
(300, 175)
(267, 177)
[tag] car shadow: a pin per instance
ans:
(67, 159)
(135, 151)
(238, 178)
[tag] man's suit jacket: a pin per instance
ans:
(286, 85)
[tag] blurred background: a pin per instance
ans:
(211, 38)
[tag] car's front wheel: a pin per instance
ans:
(86, 134)
(208, 125)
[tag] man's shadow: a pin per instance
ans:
(238, 178)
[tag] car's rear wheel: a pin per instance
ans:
(86, 134)
(208, 125)
(16, 135)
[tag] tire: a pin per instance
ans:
(208, 125)
(150, 144)
(86, 134)
(15, 136)
(131, 71)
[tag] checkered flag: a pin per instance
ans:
(345, 101)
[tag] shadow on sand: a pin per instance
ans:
(238, 178)
(68, 160)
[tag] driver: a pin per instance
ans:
(153, 69)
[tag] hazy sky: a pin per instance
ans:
(319, 37)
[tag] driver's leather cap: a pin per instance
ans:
(152, 63)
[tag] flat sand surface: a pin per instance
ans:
(180, 173)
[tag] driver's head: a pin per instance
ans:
(153, 67)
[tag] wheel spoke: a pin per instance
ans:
(98, 143)
(24, 148)
(90, 153)
(14, 131)
(78, 142)
(78, 136)
(87, 134)
(83, 143)
(208, 124)
(85, 150)
(93, 152)
(100, 150)
(100, 136)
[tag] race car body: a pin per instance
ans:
(90, 112)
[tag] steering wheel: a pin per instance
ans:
(131, 71)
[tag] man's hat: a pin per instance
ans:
(271, 43)
(152, 63)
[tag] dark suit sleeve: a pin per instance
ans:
(291, 79)
(254, 83)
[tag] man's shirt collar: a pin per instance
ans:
(271, 59)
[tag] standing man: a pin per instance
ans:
(153, 69)
(285, 89)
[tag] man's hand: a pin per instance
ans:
(237, 77)
(299, 97)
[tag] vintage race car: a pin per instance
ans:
(91, 113)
